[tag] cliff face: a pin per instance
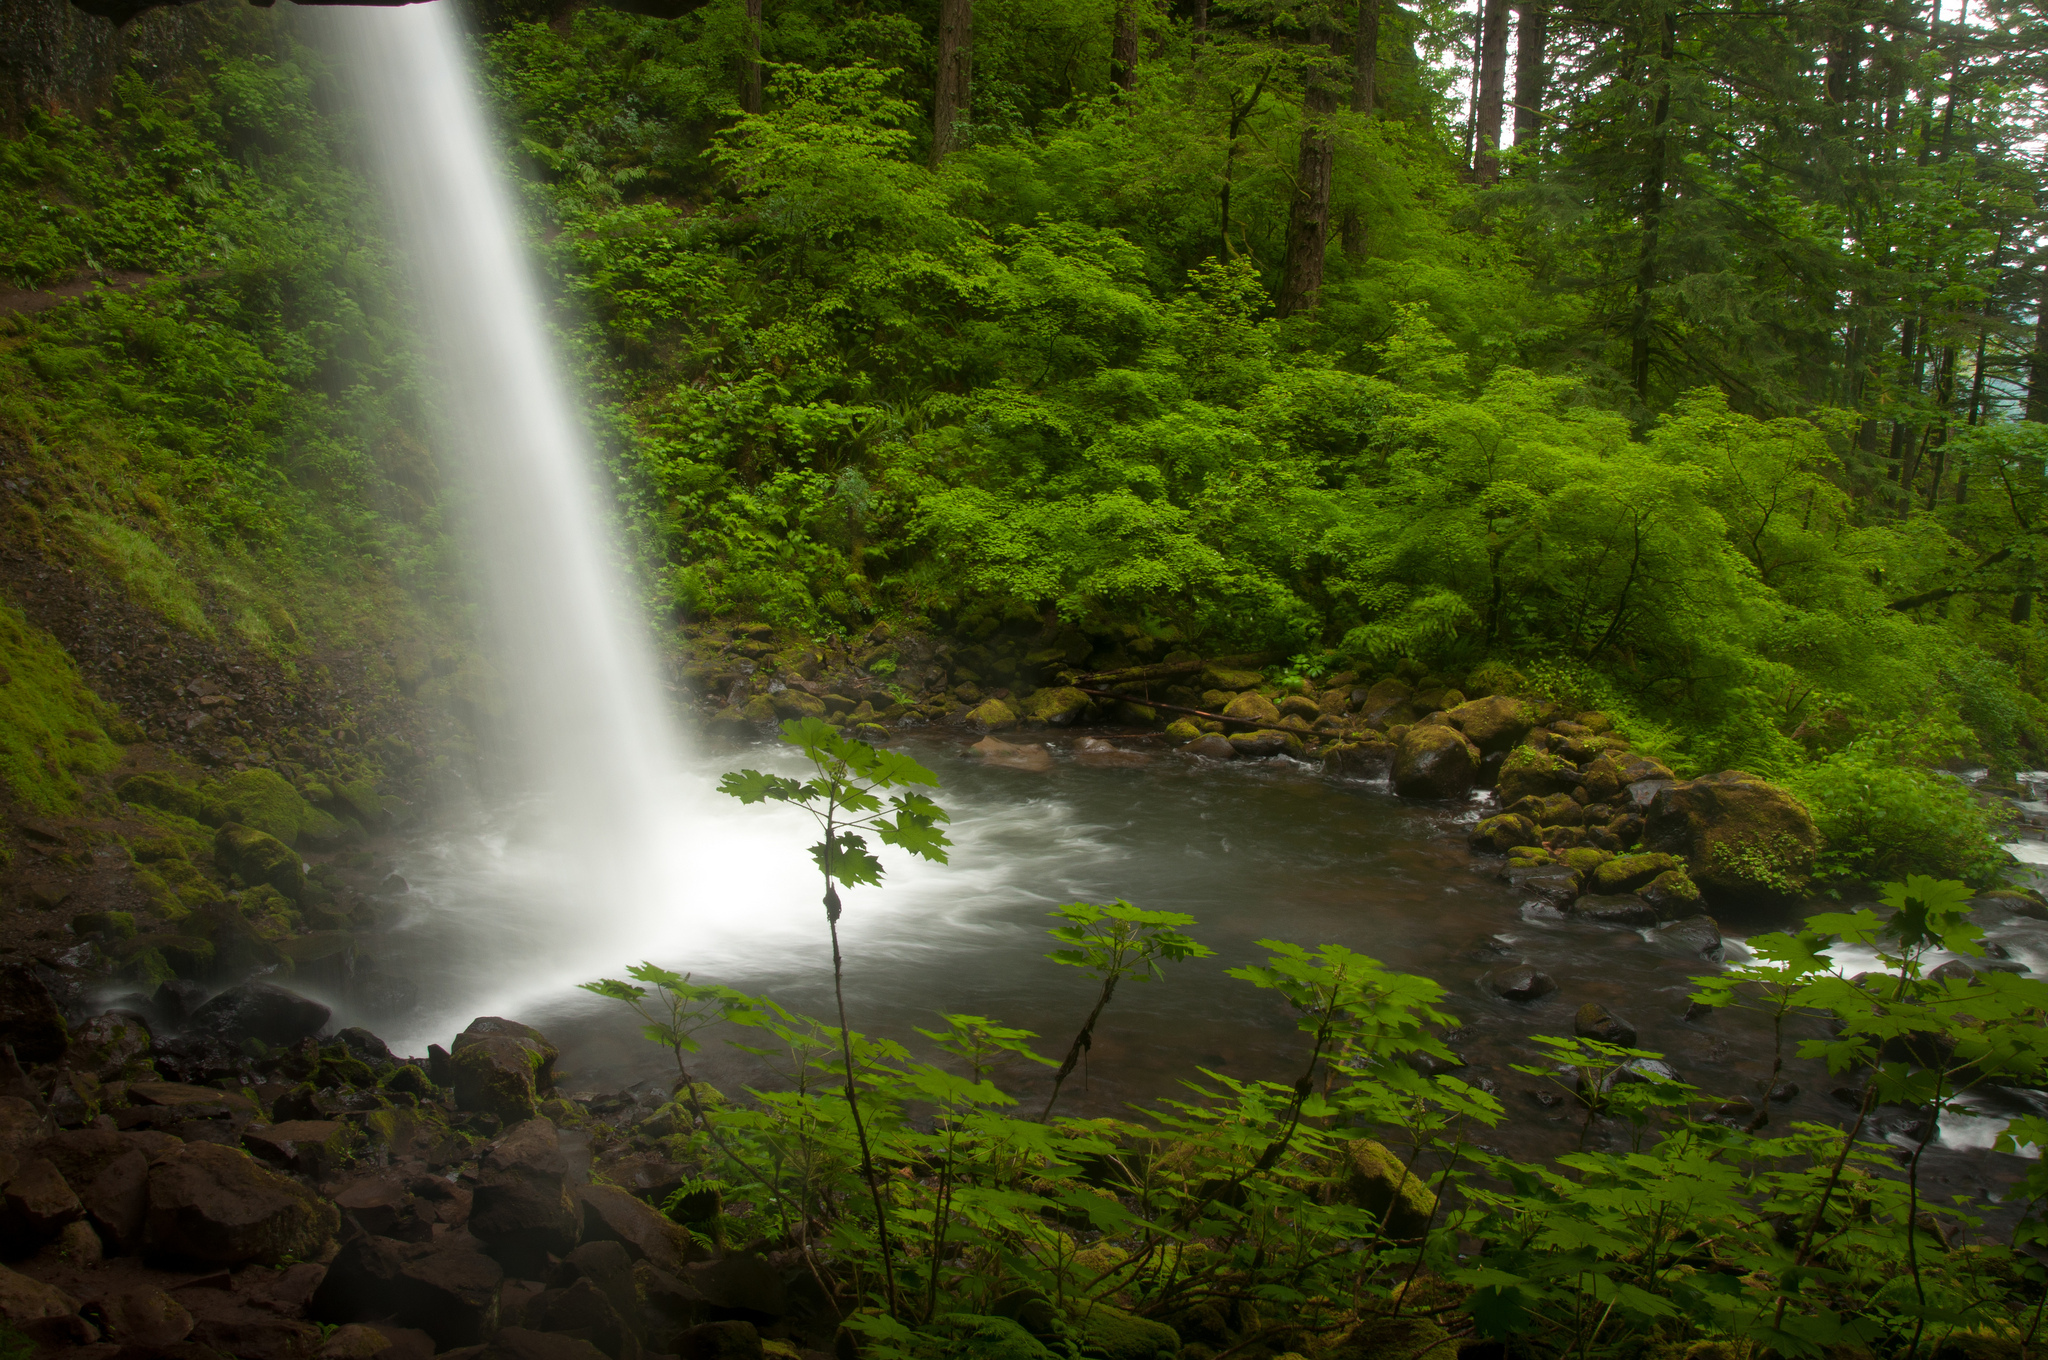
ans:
(56, 56)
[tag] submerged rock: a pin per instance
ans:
(1595, 1021)
(1213, 746)
(1033, 758)
(1522, 983)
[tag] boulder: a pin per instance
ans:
(1056, 706)
(1554, 883)
(1266, 742)
(1503, 833)
(1595, 1021)
(1493, 724)
(219, 1206)
(146, 1317)
(1741, 839)
(1213, 746)
(263, 1011)
(1215, 677)
(1386, 702)
(259, 858)
(116, 1201)
(311, 1147)
(502, 1067)
(1532, 773)
(1031, 758)
(1671, 895)
(976, 1336)
(729, 1340)
(1368, 758)
(1622, 910)
(1628, 873)
(613, 1215)
(1434, 761)
(23, 1300)
(1107, 754)
(523, 1211)
(109, 1044)
(1521, 983)
(992, 715)
(1376, 1180)
(1253, 709)
(36, 1204)
(607, 1266)
(790, 702)
(1552, 809)
(446, 1288)
(740, 1282)
(30, 1022)
(1112, 1334)
(1699, 935)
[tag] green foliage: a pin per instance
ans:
(1882, 814)
(51, 725)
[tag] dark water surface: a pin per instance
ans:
(1252, 850)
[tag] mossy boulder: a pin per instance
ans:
(1108, 1333)
(1553, 809)
(1584, 859)
(992, 715)
(796, 703)
(1395, 1338)
(166, 795)
(1369, 758)
(973, 1336)
(1435, 761)
(758, 710)
(259, 858)
(1268, 741)
(1740, 838)
(265, 800)
(1671, 895)
(1374, 1179)
(1226, 678)
(1386, 702)
(1056, 706)
(1504, 832)
(495, 1075)
(1629, 872)
(1531, 773)
(1495, 723)
(1183, 730)
(1253, 710)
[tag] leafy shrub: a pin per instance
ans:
(1883, 817)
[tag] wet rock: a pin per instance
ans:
(311, 1147)
(355, 1342)
(263, 1011)
(611, 1215)
(1671, 895)
(583, 1311)
(1214, 746)
(523, 1211)
(742, 1283)
(1553, 883)
(30, 1022)
(146, 1317)
(1521, 983)
(1493, 724)
(116, 1202)
(176, 999)
(1740, 839)
(732, 1340)
(259, 857)
(217, 1205)
(1113, 1334)
(1095, 751)
(1628, 873)
(520, 1343)
(501, 1067)
(1595, 1021)
(1628, 910)
(109, 1045)
(1266, 743)
(1699, 935)
(1367, 758)
(189, 1102)
(446, 1289)
(36, 1204)
(1386, 702)
(1504, 833)
(1032, 758)
(607, 1266)
(1434, 761)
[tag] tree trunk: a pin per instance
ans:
(1493, 78)
(2037, 362)
(1308, 217)
(1472, 104)
(953, 94)
(1365, 63)
(750, 67)
(1532, 73)
(1653, 211)
(1123, 47)
(1201, 21)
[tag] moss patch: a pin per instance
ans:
(52, 728)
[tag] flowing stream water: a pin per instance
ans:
(621, 850)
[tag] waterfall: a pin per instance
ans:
(587, 724)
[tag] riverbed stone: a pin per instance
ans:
(1434, 761)
(1212, 746)
(1699, 935)
(992, 715)
(37, 1203)
(1522, 983)
(1740, 838)
(263, 1011)
(1595, 1021)
(219, 1206)
(1614, 910)
(1231, 679)
(1385, 702)
(1030, 757)
(1107, 754)
(29, 1019)
(1554, 883)
(523, 1211)
(612, 1215)
(1267, 741)
(24, 1300)
(1057, 706)
(1367, 758)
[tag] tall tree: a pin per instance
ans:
(1491, 99)
(1123, 46)
(1653, 206)
(1532, 70)
(750, 65)
(1365, 72)
(1308, 213)
(953, 91)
